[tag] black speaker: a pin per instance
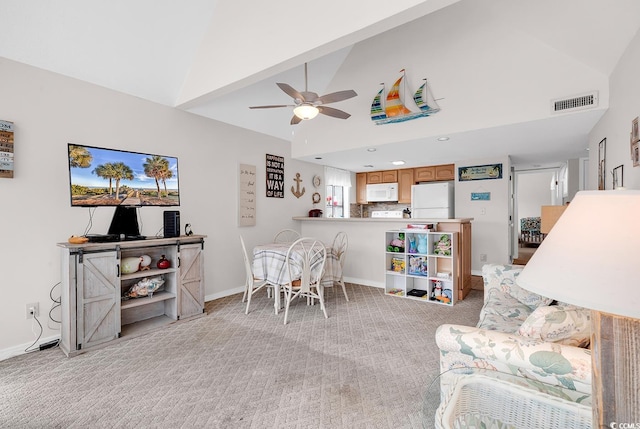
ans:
(171, 223)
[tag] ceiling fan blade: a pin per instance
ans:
(295, 120)
(337, 96)
(290, 91)
(330, 111)
(271, 106)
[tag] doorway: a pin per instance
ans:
(533, 188)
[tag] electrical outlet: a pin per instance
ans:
(483, 257)
(33, 310)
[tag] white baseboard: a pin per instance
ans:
(223, 294)
(20, 349)
(364, 282)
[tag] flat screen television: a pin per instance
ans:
(101, 177)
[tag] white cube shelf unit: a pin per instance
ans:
(421, 265)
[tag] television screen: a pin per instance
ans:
(110, 177)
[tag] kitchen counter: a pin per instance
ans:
(365, 261)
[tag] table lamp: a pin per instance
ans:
(591, 258)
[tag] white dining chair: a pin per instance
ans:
(339, 247)
(286, 236)
(252, 284)
(305, 264)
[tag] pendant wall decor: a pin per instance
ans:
(297, 192)
(393, 107)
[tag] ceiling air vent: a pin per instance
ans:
(578, 102)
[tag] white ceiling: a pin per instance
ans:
(216, 58)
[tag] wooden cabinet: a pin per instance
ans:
(95, 307)
(435, 173)
(445, 172)
(374, 177)
(464, 254)
(405, 181)
(389, 176)
(424, 174)
(424, 268)
(361, 188)
(384, 176)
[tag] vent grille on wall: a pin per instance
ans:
(578, 102)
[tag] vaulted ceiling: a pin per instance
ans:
(496, 64)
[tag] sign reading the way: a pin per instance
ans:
(275, 176)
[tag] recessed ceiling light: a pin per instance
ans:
(368, 166)
(443, 139)
(318, 157)
(371, 149)
(397, 162)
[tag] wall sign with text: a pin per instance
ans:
(275, 176)
(6, 149)
(247, 196)
(480, 172)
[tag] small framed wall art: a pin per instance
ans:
(602, 171)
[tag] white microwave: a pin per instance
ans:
(382, 192)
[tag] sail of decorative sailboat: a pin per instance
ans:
(394, 105)
(394, 109)
(424, 99)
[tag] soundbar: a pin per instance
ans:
(108, 238)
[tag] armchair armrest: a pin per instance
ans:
(551, 363)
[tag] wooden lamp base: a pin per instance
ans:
(615, 348)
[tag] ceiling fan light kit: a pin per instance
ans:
(307, 105)
(306, 111)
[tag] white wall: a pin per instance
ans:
(49, 111)
(490, 225)
(615, 125)
(533, 191)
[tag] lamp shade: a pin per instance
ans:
(591, 256)
(306, 111)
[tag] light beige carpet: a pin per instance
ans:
(367, 366)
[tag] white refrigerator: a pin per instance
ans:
(432, 200)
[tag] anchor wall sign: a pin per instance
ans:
(297, 192)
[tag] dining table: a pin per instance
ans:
(270, 264)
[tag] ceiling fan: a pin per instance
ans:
(309, 104)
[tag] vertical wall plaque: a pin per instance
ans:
(247, 196)
(275, 176)
(6, 149)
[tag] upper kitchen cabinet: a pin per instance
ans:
(434, 173)
(424, 174)
(361, 188)
(445, 172)
(390, 176)
(405, 181)
(385, 176)
(374, 177)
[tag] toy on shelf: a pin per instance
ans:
(398, 292)
(443, 246)
(397, 265)
(422, 243)
(397, 244)
(418, 266)
(134, 264)
(412, 244)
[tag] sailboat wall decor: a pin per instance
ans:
(394, 108)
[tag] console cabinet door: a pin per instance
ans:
(98, 299)
(191, 283)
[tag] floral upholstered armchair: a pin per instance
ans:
(520, 333)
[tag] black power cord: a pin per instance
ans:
(39, 335)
